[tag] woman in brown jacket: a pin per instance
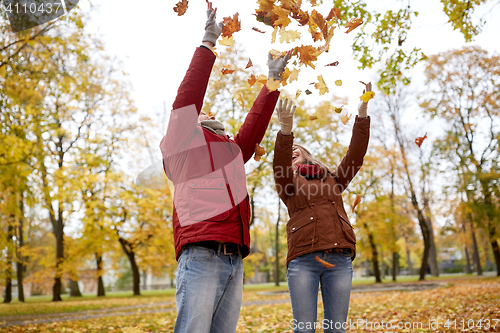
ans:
(321, 240)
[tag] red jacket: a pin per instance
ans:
(207, 169)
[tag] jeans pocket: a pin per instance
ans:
(200, 253)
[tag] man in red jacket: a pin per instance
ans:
(211, 206)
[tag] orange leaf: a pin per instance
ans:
(283, 19)
(308, 54)
(324, 263)
(419, 140)
(249, 63)
(335, 12)
(273, 84)
(345, 118)
(353, 25)
(363, 82)
(297, 94)
(313, 117)
(255, 29)
(259, 152)
(262, 79)
(356, 202)
(252, 80)
(231, 25)
(181, 7)
(227, 71)
(294, 75)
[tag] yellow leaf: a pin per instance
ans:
(285, 76)
(237, 94)
(227, 41)
(345, 118)
(273, 84)
(321, 86)
(294, 75)
(297, 94)
(367, 96)
(338, 83)
(289, 36)
(283, 19)
(338, 109)
(273, 35)
(262, 79)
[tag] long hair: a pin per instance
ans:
(311, 160)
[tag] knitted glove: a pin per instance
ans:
(212, 29)
(363, 107)
(277, 66)
(285, 116)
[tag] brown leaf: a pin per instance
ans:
(259, 152)
(356, 202)
(227, 71)
(252, 80)
(353, 24)
(249, 63)
(419, 140)
(313, 117)
(324, 263)
(181, 7)
(336, 63)
(363, 82)
(231, 25)
(255, 29)
(345, 118)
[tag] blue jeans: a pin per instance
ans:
(209, 291)
(304, 275)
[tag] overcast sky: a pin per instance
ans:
(156, 45)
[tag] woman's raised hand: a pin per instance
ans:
(212, 29)
(285, 111)
(363, 106)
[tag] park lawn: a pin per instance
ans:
(459, 304)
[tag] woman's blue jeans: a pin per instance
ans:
(209, 291)
(305, 274)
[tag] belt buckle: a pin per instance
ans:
(225, 249)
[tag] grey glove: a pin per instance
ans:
(277, 66)
(285, 116)
(212, 29)
(363, 107)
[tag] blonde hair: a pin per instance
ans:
(311, 160)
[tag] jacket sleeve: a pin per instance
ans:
(282, 165)
(353, 160)
(255, 125)
(188, 103)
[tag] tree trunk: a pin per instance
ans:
(477, 260)
(408, 257)
(466, 249)
(395, 265)
(144, 280)
(496, 252)
(8, 268)
(277, 248)
(135, 269)
(59, 235)
(100, 282)
(373, 246)
(20, 267)
(432, 250)
(74, 288)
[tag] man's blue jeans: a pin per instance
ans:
(304, 275)
(209, 291)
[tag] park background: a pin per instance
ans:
(85, 101)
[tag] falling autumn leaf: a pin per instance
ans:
(273, 84)
(336, 63)
(262, 79)
(338, 83)
(227, 71)
(273, 35)
(321, 86)
(313, 2)
(324, 262)
(362, 83)
(209, 113)
(284, 76)
(419, 140)
(252, 80)
(338, 109)
(313, 117)
(259, 152)
(308, 92)
(356, 202)
(226, 41)
(249, 63)
(345, 118)
(294, 75)
(289, 36)
(181, 7)
(238, 96)
(367, 96)
(255, 29)
(308, 54)
(297, 94)
(231, 25)
(353, 24)
(283, 18)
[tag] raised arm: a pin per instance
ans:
(353, 160)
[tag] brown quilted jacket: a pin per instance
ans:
(318, 220)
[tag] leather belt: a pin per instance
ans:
(226, 248)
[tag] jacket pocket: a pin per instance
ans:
(208, 199)
(300, 229)
(348, 230)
